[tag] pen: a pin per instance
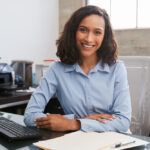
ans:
(123, 144)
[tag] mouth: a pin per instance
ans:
(87, 46)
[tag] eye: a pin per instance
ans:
(98, 32)
(82, 29)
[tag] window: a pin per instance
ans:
(126, 14)
(143, 13)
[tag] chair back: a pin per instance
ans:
(138, 71)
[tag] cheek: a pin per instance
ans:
(99, 41)
(79, 36)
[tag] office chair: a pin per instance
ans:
(54, 107)
(138, 70)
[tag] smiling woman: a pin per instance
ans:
(89, 81)
(89, 37)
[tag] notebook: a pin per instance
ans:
(89, 141)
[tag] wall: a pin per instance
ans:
(66, 8)
(133, 42)
(28, 29)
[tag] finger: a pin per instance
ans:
(44, 126)
(42, 123)
(113, 117)
(101, 120)
(41, 119)
(107, 116)
(100, 115)
(48, 114)
(94, 116)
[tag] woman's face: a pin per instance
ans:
(89, 35)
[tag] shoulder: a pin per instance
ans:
(119, 64)
(120, 70)
(55, 66)
(118, 67)
(58, 66)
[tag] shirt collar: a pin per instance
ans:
(99, 67)
(70, 68)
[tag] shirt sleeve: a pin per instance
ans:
(40, 98)
(70, 116)
(121, 107)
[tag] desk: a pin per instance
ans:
(27, 144)
(19, 100)
(15, 99)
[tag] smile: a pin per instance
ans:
(87, 46)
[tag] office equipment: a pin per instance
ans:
(4, 67)
(6, 79)
(6, 82)
(15, 131)
(23, 72)
(89, 141)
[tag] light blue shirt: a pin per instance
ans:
(104, 90)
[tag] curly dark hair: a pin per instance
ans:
(67, 50)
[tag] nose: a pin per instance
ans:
(89, 37)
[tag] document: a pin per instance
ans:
(90, 141)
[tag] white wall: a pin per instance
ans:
(28, 30)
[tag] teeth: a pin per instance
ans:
(88, 46)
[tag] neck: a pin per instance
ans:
(88, 64)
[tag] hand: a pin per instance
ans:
(57, 122)
(100, 117)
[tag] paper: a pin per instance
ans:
(89, 141)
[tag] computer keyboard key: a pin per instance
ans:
(7, 133)
(15, 131)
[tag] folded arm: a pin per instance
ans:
(121, 107)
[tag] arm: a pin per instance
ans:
(121, 107)
(57, 122)
(40, 98)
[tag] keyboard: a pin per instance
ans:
(14, 131)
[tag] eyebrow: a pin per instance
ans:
(99, 28)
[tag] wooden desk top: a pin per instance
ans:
(14, 99)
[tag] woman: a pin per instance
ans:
(89, 81)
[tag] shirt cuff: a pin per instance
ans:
(85, 125)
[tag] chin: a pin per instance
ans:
(86, 55)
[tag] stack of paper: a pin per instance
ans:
(89, 141)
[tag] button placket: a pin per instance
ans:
(88, 97)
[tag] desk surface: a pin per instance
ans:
(27, 144)
(16, 98)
